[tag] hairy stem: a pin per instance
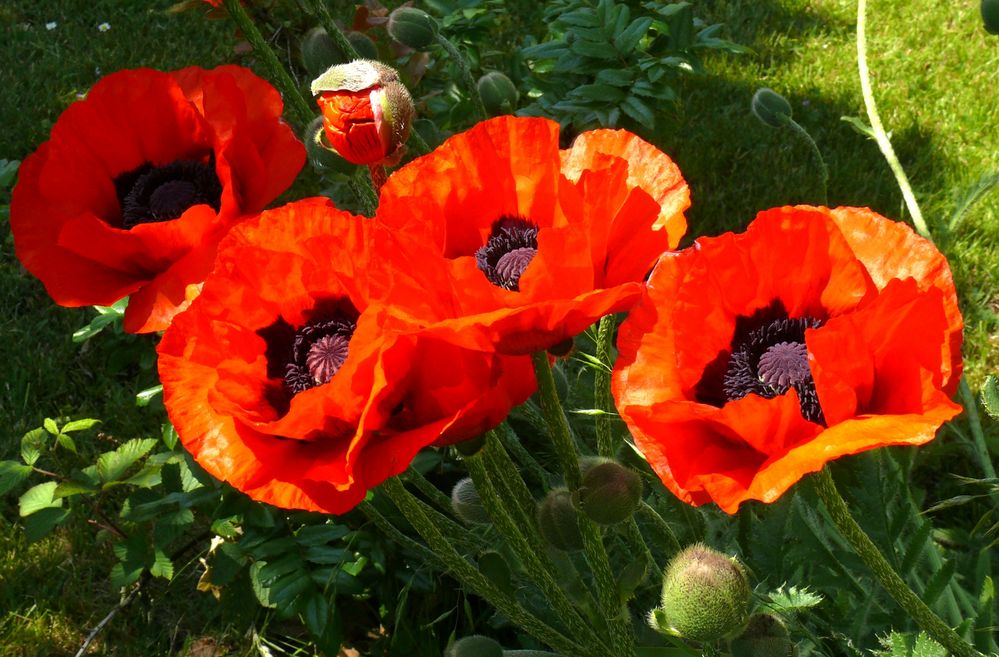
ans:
(601, 386)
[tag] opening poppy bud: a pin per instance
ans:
(474, 646)
(319, 51)
(770, 107)
(610, 492)
(764, 636)
(467, 504)
(412, 27)
(367, 111)
(557, 520)
(990, 16)
(499, 96)
(705, 596)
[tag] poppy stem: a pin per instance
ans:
(618, 618)
(386, 527)
(502, 500)
(343, 44)
(878, 129)
(601, 386)
(634, 536)
(511, 441)
(883, 571)
(975, 424)
(816, 155)
(279, 75)
(360, 183)
(466, 76)
(469, 575)
(662, 527)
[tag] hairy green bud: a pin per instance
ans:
(764, 636)
(499, 95)
(610, 492)
(558, 520)
(467, 504)
(705, 596)
(365, 47)
(475, 645)
(412, 27)
(770, 107)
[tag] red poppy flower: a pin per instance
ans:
(289, 380)
(537, 243)
(140, 180)
(756, 358)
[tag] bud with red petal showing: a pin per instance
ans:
(705, 596)
(367, 112)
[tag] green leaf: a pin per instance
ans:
(321, 534)
(12, 473)
(990, 396)
(602, 92)
(170, 436)
(618, 77)
(162, 566)
(639, 111)
(859, 126)
(626, 41)
(792, 599)
(96, 325)
(316, 613)
(261, 590)
(71, 487)
(50, 426)
(938, 582)
(580, 18)
(66, 442)
(325, 554)
(145, 396)
(41, 523)
(593, 49)
(40, 496)
(79, 425)
(915, 547)
(111, 466)
(897, 644)
(8, 171)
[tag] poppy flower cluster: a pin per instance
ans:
(754, 359)
(141, 179)
(326, 349)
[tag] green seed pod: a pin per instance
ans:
(610, 493)
(764, 636)
(319, 51)
(990, 16)
(474, 646)
(770, 107)
(705, 596)
(467, 504)
(499, 96)
(494, 567)
(412, 27)
(365, 47)
(557, 520)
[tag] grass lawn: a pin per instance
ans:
(935, 73)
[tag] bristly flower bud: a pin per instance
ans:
(764, 636)
(499, 95)
(558, 521)
(990, 16)
(610, 492)
(319, 51)
(412, 28)
(475, 645)
(770, 107)
(705, 596)
(467, 504)
(367, 111)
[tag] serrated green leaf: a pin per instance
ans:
(285, 590)
(225, 527)
(547, 50)
(170, 436)
(282, 566)
(71, 487)
(111, 466)
(40, 496)
(325, 554)
(638, 111)
(792, 599)
(123, 574)
(162, 566)
(50, 425)
(584, 17)
(12, 474)
(990, 396)
(79, 425)
(938, 582)
(41, 523)
(618, 77)
(601, 92)
(898, 644)
(915, 547)
(66, 442)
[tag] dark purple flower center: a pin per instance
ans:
(149, 194)
(770, 358)
(512, 244)
(318, 351)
